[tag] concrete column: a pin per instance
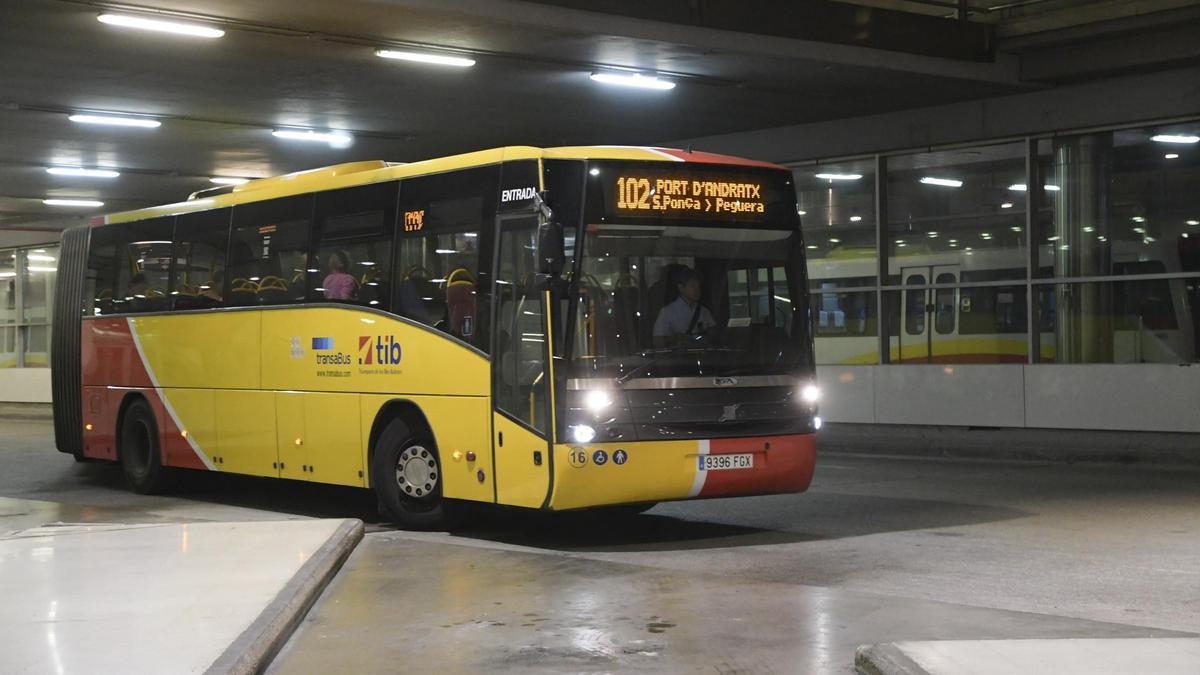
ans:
(1084, 311)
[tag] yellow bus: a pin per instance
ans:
(545, 328)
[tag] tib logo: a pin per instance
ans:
(381, 350)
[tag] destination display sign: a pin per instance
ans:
(638, 190)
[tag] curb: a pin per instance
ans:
(25, 412)
(885, 659)
(253, 650)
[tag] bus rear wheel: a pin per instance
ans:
(407, 474)
(141, 456)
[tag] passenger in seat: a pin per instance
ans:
(338, 284)
(684, 316)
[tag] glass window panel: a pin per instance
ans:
(37, 346)
(143, 251)
(944, 305)
(520, 386)
(845, 327)
(41, 271)
(8, 346)
(353, 262)
(914, 302)
(837, 217)
(443, 222)
(101, 277)
(1117, 198)
(1146, 321)
(200, 242)
(268, 252)
(960, 207)
(8, 287)
(985, 325)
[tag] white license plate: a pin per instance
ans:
(723, 462)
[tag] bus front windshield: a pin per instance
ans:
(687, 299)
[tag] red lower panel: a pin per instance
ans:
(112, 368)
(781, 464)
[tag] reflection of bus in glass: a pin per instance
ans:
(555, 329)
(1140, 320)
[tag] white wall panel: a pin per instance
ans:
(966, 395)
(847, 393)
(1132, 397)
(25, 385)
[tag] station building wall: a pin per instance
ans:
(1027, 261)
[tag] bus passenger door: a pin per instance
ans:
(943, 320)
(520, 378)
(913, 335)
(929, 316)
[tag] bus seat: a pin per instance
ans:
(460, 302)
(273, 290)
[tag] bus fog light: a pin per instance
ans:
(810, 393)
(582, 433)
(597, 400)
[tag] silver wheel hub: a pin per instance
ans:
(417, 472)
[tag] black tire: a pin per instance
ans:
(141, 455)
(411, 504)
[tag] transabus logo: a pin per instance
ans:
(381, 350)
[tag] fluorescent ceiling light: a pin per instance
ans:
(1020, 187)
(425, 57)
(115, 120)
(1006, 205)
(335, 139)
(855, 219)
(228, 180)
(1171, 155)
(944, 182)
(79, 171)
(634, 80)
(1138, 219)
(839, 176)
(176, 27)
(72, 202)
(799, 212)
(1193, 222)
(1175, 138)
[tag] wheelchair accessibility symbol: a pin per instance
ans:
(600, 458)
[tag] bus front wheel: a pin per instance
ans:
(141, 458)
(407, 474)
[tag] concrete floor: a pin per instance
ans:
(880, 550)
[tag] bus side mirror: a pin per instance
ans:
(551, 253)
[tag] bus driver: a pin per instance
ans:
(684, 316)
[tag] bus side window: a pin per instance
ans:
(268, 252)
(353, 259)
(199, 276)
(144, 252)
(443, 230)
(101, 275)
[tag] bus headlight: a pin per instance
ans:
(582, 433)
(817, 423)
(810, 393)
(597, 400)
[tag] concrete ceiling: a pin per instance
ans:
(308, 63)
